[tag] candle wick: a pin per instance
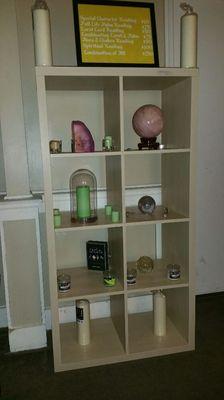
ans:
(40, 5)
(187, 7)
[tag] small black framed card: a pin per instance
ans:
(97, 255)
(112, 33)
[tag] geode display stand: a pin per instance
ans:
(148, 144)
(147, 122)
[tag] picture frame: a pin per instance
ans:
(112, 33)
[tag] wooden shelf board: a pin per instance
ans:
(105, 346)
(101, 222)
(156, 279)
(86, 283)
(118, 153)
(159, 151)
(115, 71)
(104, 342)
(142, 338)
(92, 154)
(135, 216)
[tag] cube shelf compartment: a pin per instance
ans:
(93, 100)
(107, 337)
(143, 340)
(141, 335)
(105, 345)
(105, 99)
(156, 279)
(86, 283)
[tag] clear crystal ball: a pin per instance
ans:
(146, 204)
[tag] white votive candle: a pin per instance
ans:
(42, 33)
(159, 313)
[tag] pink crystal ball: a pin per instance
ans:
(147, 121)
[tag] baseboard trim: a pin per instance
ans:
(28, 338)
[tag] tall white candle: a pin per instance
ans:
(159, 313)
(188, 40)
(83, 321)
(42, 33)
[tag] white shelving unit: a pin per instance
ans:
(106, 99)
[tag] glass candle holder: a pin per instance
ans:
(109, 278)
(64, 282)
(83, 196)
(131, 275)
(173, 271)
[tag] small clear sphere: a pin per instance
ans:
(145, 264)
(146, 204)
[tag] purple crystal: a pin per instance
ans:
(82, 139)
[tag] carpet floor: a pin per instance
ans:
(196, 375)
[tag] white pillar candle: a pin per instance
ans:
(42, 33)
(159, 313)
(188, 40)
(83, 321)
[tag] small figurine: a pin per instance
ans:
(55, 146)
(165, 212)
(82, 140)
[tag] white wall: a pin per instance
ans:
(18, 27)
(64, 53)
(210, 192)
(210, 169)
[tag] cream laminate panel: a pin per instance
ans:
(11, 104)
(22, 273)
(67, 354)
(2, 286)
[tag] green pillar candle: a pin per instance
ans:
(115, 216)
(57, 221)
(108, 210)
(83, 201)
(57, 218)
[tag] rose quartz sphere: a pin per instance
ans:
(147, 121)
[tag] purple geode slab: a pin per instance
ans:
(81, 138)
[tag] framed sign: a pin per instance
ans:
(120, 33)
